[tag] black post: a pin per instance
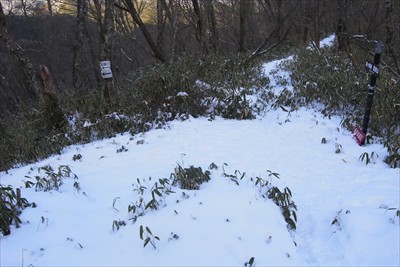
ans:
(371, 87)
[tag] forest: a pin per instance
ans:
(53, 92)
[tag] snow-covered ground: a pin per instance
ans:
(344, 214)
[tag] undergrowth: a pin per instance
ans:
(148, 98)
(151, 194)
(11, 206)
(331, 78)
(214, 86)
(12, 203)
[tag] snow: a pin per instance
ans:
(328, 41)
(325, 42)
(276, 74)
(343, 204)
(182, 94)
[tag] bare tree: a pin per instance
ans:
(161, 20)
(50, 7)
(243, 14)
(317, 30)
(389, 24)
(279, 32)
(129, 6)
(77, 69)
(342, 25)
(212, 31)
(199, 26)
(23, 7)
(106, 44)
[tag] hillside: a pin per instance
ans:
(342, 199)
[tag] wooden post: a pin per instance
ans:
(374, 69)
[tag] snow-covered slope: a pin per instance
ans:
(343, 204)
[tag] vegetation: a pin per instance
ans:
(175, 83)
(147, 236)
(155, 80)
(214, 86)
(12, 203)
(154, 95)
(189, 178)
(340, 83)
(52, 180)
(11, 206)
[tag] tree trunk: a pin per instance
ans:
(171, 15)
(160, 24)
(317, 35)
(213, 44)
(279, 20)
(49, 7)
(23, 6)
(77, 70)
(341, 26)
(199, 27)
(304, 20)
(390, 32)
(242, 24)
(107, 49)
(130, 7)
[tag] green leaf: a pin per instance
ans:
(294, 215)
(158, 193)
(28, 184)
(251, 261)
(234, 180)
(131, 208)
(141, 232)
(213, 166)
(291, 223)
(152, 204)
(148, 230)
(146, 241)
(283, 108)
(288, 190)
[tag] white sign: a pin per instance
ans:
(105, 67)
(105, 64)
(372, 68)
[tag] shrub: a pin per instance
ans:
(28, 137)
(148, 98)
(284, 201)
(11, 206)
(189, 178)
(333, 79)
(147, 236)
(52, 180)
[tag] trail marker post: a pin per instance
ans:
(373, 68)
